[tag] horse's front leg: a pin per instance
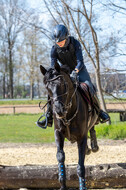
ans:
(59, 138)
(81, 168)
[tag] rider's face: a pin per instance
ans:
(62, 43)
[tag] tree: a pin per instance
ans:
(33, 53)
(11, 25)
(4, 69)
(82, 18)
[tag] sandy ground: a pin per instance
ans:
(45, 154)
(9, 109)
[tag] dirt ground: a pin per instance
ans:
(8, 109)
(45, 154)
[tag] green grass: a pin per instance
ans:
(117, 129)
(114, 131)
(22, 128)
(18, 102)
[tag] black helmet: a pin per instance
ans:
(60, 33)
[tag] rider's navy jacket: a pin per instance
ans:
(70, 55)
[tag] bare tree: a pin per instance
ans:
(4, 69)
(33, 52)
(82, 14)
(115, 6)
(11, 25)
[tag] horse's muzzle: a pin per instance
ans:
(59, 110)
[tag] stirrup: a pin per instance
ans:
(104, 121)
(37, 123)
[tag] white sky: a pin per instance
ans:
(107, 21)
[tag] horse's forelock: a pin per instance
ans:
(51, 72)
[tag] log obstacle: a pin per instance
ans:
(46, 177)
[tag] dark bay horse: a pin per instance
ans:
(71, 118)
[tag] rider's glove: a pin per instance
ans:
(73, 75)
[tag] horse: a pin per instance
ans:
(71, 118)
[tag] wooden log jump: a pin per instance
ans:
(44, 177)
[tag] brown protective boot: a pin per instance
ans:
(94, 145)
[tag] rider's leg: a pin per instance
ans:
(84, 77)
(49, 115)
(104, 117)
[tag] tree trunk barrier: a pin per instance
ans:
(45, 177)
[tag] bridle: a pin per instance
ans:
(53, 99)
(66, 107)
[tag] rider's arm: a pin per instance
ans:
(53, 56)
(79, 56)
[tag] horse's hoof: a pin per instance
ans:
(88, 151)
(95, 149)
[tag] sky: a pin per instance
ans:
(109, 22)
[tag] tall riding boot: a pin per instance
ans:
(48, 121)
(103, 116)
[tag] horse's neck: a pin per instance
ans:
(72, 99)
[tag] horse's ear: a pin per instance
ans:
(43, 70)
(57, 67)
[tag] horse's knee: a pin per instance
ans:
(80, 171)
(60, 156)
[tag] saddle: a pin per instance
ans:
(85, 93)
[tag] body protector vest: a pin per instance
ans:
(67, 56)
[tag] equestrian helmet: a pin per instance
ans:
(60, 33)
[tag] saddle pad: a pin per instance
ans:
(84, 90)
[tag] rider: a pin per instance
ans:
(67, 50)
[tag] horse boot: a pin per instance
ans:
(103, 116)
(94, 145)
(48, 121)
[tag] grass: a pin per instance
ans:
(25, 101)
(114, 100)
(117, 130)
(19, 102)
(22, 129)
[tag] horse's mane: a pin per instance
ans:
(51, 71)
(65, 69)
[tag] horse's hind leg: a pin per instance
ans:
(61, 159)
(81, 168)
(94, 145)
